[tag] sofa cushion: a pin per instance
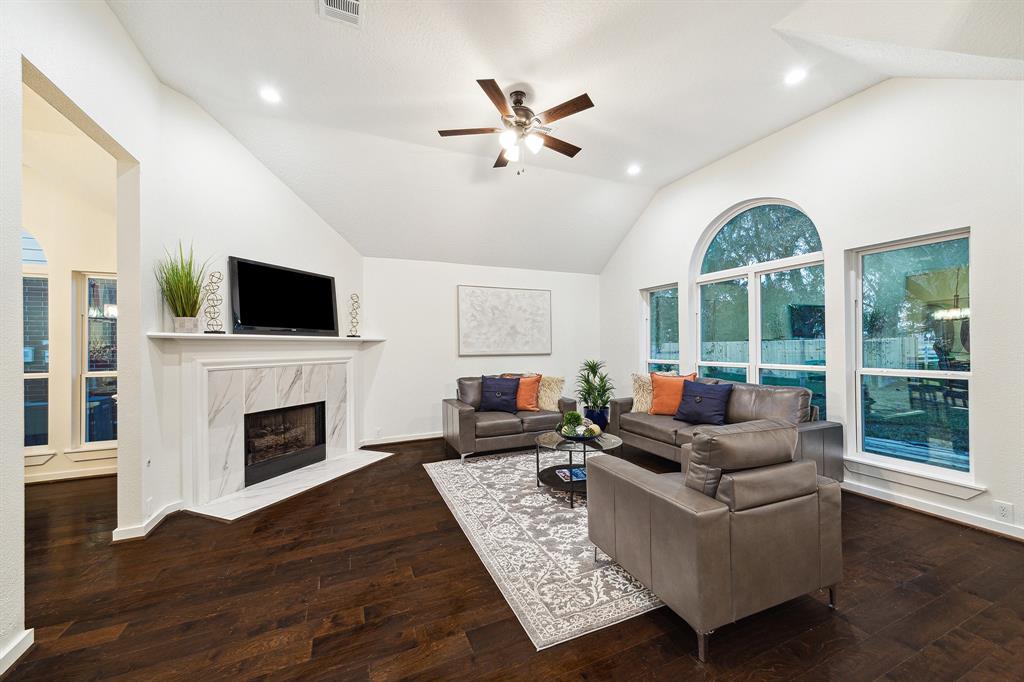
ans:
(684, 432)
(543, 420)
(655, 426)
(497, 424)
(549, 393)
(752, 401)
(498, 394)
(734, 447)
(666, 392)
(529, 390)
(469, 390)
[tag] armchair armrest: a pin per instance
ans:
(670, 537)
(459, 425)
(566, 404)
(619, 407)
(822, 443)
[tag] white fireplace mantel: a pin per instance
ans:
(239, 338)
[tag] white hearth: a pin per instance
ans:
(221, 382)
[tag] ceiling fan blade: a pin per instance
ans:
(467, 131)
(560, 146)
(501, 161)
(573, 106)
(496, 95)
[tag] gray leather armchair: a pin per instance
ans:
(818, 441)
(743, 529)
(468, 431)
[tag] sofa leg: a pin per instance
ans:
(463, 456)
(832, 597)
(702, 645)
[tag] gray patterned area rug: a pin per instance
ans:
(536, 547)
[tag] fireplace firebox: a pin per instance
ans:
(282, 440)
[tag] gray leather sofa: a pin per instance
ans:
(818, 441)
(743, 529)
(470, 432)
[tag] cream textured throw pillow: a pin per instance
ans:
(549, 393)
(643, 392)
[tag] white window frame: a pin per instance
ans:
(752, 273)
(38, 271)
(933, 471)
(645, 335)
(82, 371)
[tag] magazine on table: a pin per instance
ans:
(578, 474)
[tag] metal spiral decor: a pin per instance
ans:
(353, 316)
(213, 303)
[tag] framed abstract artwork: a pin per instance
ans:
(500, 321)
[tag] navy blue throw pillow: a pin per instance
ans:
(703, 403)
(499, 395)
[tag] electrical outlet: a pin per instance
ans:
(1004, 510)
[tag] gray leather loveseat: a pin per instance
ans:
(469, 432)
(819, 441)
(742, 529)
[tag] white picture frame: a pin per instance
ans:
(503, 321)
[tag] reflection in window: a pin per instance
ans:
(759, 235)
(916, 310)
(664, 313)
(724, 329)
(793, 316)
(917, 419)
(100, 409)
(101, 311)
(99, 375)
(36, 333)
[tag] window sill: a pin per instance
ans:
(949, 486)
(97, 447)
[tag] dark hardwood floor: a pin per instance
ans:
(370, 577)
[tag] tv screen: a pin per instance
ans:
(270, 299)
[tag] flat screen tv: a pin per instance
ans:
(270, 299)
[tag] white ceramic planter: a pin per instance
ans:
(186, 325)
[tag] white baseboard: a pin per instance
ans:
(143, 529)
(69, 474)
(399, 439)
(955, 515)
(14, 650)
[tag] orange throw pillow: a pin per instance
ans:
(668, 392)
(526, 396)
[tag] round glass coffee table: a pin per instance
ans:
(549, 475)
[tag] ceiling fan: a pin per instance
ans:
(520, 124)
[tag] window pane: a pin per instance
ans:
(812, 380)
(100, 409)
(37, 412)
(917, 307)
(31, 250)
(723, 373)
(761, 234)
(723, 321)
(664, 305)
(662, 367)
(793, 316)
(35, 309)
(101, 308)
(916, 419)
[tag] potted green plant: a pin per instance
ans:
(594, 391)
(180, 278)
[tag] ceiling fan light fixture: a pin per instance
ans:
(508, 139)
(534, 142)
(512, 153)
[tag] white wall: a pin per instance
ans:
(195, 182)
(902, 159)
(413, 304)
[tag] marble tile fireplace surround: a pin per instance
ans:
(225, 381)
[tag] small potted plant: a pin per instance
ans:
(594, 391)
(181, 283)
(575, 427)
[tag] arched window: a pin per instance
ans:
(762, 301)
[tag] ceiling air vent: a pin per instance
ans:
(345, 11)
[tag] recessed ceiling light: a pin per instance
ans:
(633, 169)
(795, 76)
(270, 94)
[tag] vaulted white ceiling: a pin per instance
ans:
(675, 86)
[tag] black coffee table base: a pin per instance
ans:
(552, 480)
